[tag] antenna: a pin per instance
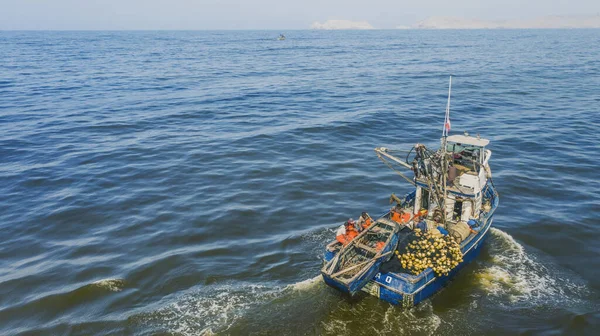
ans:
(446, 127)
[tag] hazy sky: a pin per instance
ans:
(264, 14)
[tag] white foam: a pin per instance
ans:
(421, 320)
(336, 327)
(307, 284)
(209, 310)
(215, 309)
(382, 319)
(517, 275)
(113, 285)
(320, 235)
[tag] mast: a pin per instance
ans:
(445, 130)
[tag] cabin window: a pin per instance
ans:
(457, 213)
(465, 155)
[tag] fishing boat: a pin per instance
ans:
(281, 37)
(446, 219)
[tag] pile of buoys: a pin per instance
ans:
(431, 250)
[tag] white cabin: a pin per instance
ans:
(470, 158)
(467, 176)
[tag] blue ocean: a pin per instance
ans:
(186, 183)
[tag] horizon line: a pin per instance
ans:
(282, 29)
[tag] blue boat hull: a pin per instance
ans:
(399, 290)
(409, 290)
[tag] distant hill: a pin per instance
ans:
(588, 21)
(341, 24)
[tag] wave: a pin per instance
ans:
(113, 285)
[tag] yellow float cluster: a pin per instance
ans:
(431, 250)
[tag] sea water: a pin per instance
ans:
(186, 182)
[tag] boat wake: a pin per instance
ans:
(383, 319)
(206, 311)
(509, 277)
(219, 308)
(307, 284)
(518, 276)
(216, 309)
